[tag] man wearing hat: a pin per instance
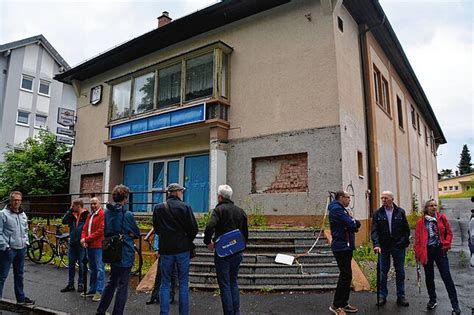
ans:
(177, 228)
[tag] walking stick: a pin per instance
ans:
(378, 279)
(418, 276)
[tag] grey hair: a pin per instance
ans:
(388, 192)
(225, 191)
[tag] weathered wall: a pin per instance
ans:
(81, 168)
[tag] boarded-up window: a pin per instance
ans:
(360, 164)
(91, 183)
(280, 174)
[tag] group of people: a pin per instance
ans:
(390, 236)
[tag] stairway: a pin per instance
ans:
(258, 270)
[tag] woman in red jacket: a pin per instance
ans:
(433, 237)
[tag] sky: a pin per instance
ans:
(437, 37)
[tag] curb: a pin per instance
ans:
(10, 305)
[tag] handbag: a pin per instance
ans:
(112, 246)
(192, 251)
(230, 243)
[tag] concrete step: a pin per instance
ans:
(268, 288)
(273, 279)
(320, 257)
(312, 268)
(274, 248)
(304, 240)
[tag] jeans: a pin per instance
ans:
(227, 270)
(76, 253)
(166, 266)
(118, 280)
(398, 255)
(17, 257)
(435, 254)
(343, 289)
(96, 269)
(155, 294)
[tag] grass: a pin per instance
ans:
(465, 194)
(462, 259)
(412, 218)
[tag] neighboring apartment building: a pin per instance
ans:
(29, 97)
(282, 100)
(456, 184)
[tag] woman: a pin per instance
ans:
(433, 238)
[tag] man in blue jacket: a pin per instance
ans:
(75, 219)
(343, 228)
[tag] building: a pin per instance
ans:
(283, 100)
(29, 97)
(456, 184)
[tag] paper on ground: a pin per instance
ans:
(284, 259)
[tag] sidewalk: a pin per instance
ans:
(42, 283)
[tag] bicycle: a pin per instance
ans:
(42, 251)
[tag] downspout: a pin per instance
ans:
(366, 86)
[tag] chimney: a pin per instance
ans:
(457, 173)
(164, 19)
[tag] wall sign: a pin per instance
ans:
(66, 117)
(65, 131)
(65, 140)
(96, 94)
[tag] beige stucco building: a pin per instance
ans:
(456, 184)
(283, 100)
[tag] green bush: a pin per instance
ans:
(412, 218)
(203, 220)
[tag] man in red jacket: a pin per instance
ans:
(91, 239)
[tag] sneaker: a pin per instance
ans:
(96, 297)
(80, 287)
(68, 288)
(26, 301)
(153, 301)
(350, 309)
(456, 310)
(382, 301)
(402, 301)
(431, 304)
(88, 294)
(337, 311)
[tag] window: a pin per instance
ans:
(418, 123)
(121, 99)
(400, 112)
(377, 85)
(413, 116)
(199, 77)
(23, 117)
(439, 189)
(385, 96)
(40, 121)
(169, 86)
(433, 143)
(144, 93)
(360, 164)
(426, 136)
(450, 187)
(225, 76)
(445, 188)
(340, 24)
(27, 82)
(44, 87)
(456, 187)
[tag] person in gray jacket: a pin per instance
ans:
(13, 243)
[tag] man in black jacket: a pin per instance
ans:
(176, 226)
(390, 237)
(227, 217)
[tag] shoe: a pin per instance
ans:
(96, 297)
(68, 288)
(456, 310)
(382, 301)
(88, 294)
(350, 309)
(431, 304)
(402, 301)
(80, 288)
(153, 301)
(337, 311)
(172, 299)
(26, 301)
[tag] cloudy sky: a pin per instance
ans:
(437, 36)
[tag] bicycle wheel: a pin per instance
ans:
(40, 252)
(138, 263)
(62, 253)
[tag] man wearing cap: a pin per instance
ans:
(177, 228)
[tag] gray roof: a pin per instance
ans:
(37, 39)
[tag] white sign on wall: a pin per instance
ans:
(66, 117)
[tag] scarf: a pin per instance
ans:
(432, 226)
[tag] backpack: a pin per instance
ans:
(112, 246)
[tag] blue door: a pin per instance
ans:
(196, 182)
(159, 183)
(135, 177)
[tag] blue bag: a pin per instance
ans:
(229, 243)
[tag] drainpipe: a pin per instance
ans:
(366, 86)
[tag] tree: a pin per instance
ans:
(446, 173)
(465, 165)
(38, 166)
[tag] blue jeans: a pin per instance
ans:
(118, 280)
(96, 269)
(227, 270)
(398, 255)
(166, 266)
(17, 257)
(75, 254)
(435, 254)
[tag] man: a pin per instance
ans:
(176, 226)
(13, 242)
(390, 237)
(75, 219)
(343, 228)
(91, 239)
(227, 217)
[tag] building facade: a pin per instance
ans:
(29, 97)
(456, 184)
(282, 100)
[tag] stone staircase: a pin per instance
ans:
(258, 270)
